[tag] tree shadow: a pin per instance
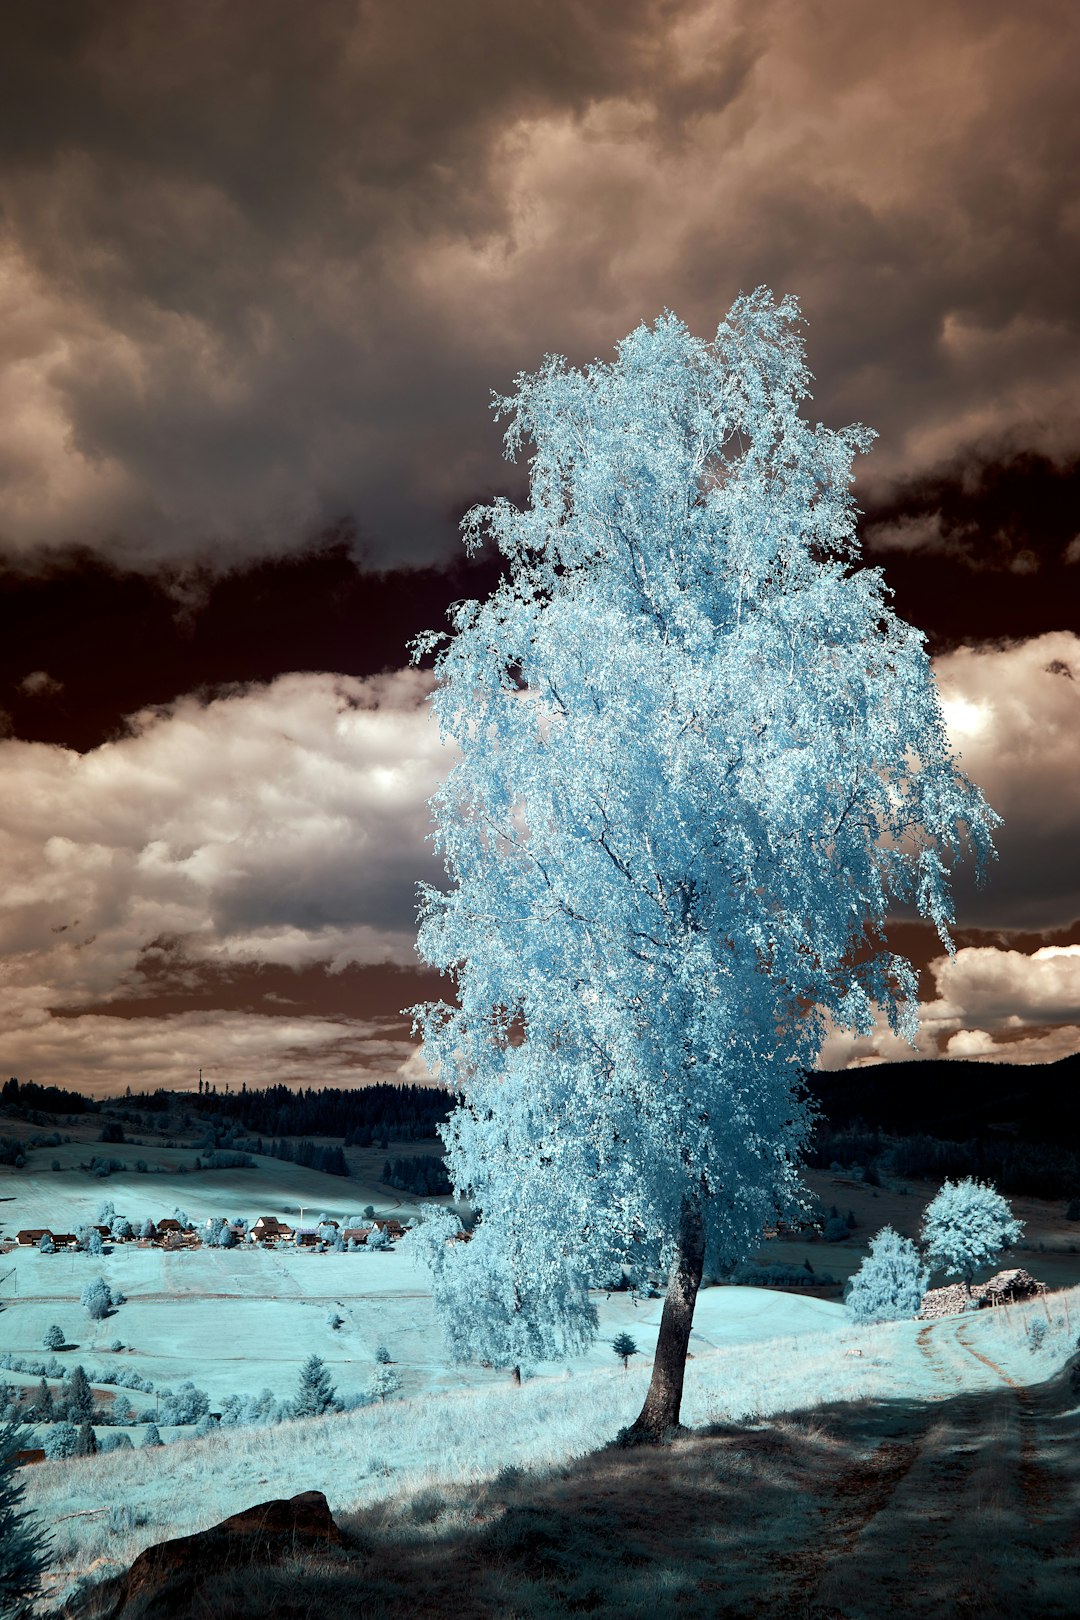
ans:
(857, 1510)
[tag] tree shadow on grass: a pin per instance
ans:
(963, 1507)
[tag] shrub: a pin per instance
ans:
(60, 1441)
(385, 1382)
(115, 1442)
(382, 1356)
(890, 1283)
(152, 1437)
(836, 1229)
(188, 1405)
(46, 1244)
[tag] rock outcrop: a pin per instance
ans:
(175, 1578)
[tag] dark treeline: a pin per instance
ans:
(360, 1117)
(1034, 1169)
(955, 1100)
(331, 1160)
(421, 1173)
(1016, 1125)
(25, 1098)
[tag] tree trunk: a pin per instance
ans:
(659, 1417)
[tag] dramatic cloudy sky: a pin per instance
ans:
(260, 266)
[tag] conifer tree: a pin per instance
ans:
(86, 1442)
(316, 1393)
(699, 761)
(624, 1347)
(23, 1545)
(79, 1397)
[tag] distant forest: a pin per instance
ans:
(1017, 1125)
(367, 1115)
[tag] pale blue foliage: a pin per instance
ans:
(700, 759)
(96, 1298)
(966, 1226)
(890, 1284)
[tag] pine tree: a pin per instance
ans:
(151, 1436)
(699, 761)
(24, 1547)
(54, 1338)
(79, 1397)
(86, 1444)
(624, 1346)
(315, 1394)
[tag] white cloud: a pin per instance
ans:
(1008, 1005)
(280, 824)
(1013, 715)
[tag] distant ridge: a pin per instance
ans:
(955, 1099)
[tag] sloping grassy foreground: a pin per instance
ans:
(918, 1466)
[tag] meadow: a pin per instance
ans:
(237, 1321)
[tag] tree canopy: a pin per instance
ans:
(700, 760)
(966, 1225)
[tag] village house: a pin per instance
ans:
(31, 1236)
(355, 1234)
(268, 1229)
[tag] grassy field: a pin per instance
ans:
(236, 1321)
(952, 1401)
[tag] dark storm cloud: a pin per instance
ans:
(262, 264)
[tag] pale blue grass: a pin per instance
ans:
(467, 1436)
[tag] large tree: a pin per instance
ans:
(700, 760)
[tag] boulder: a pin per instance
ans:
(166, 1580)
